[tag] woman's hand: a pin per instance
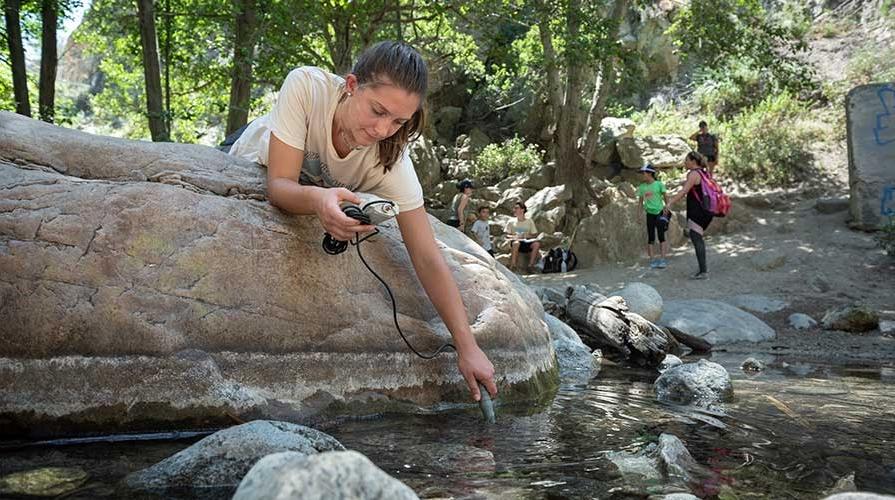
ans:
(334, 221)
(475, 367)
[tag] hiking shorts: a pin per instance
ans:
(653, 227)
(525, 246)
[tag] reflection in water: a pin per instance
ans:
(790, 433)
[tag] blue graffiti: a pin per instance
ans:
(887, 204)
(884, 131)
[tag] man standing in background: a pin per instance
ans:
(707, 145)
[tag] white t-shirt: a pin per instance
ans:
(302, 118)
(482, 232)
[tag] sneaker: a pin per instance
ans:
(700, 276)
(653, 264)
(662, 264)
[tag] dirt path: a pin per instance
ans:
(825, 264)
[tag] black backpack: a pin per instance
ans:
(557, 259)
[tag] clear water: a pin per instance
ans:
(792, 432)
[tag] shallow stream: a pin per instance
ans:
(792, 432)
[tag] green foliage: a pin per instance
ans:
(870, 64)
(664, 120)
(497, 162)
(751, 52)
(886, 237)
(767, 144)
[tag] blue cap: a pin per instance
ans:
(648, 168)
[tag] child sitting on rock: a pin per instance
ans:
(481, 229)
(652, 195)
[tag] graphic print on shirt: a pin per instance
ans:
(316, 173)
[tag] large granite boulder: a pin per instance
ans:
(617, 231)
(144, 286)
(716, 322)
(611, 130)
(426, 162)
(662, 151)
(870, 115)
(547, 207)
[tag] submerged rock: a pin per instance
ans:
(668, 461)
(752, 365)
(133, 252)
(223, 458)
(43, 482)
(703, 384)
(332, 475)
(670, 361)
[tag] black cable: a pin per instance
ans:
(357, 241)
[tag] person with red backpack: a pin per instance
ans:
(698, 216)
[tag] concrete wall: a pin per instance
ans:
(870, 113)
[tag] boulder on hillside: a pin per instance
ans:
(611, 130)
(616, 232)
(547, 207)
(662, 151)
(426, 162)
(143, 287)
(511, 196)
(714, 321)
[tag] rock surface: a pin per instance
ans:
(169, 296)
(575, 359)
(871, 152)
(756, 303)
(714, 321)
(801, 321)
(223, 458)
(703, 384)
(642, 299)
(662, 151)
(333, 475)
(854, 318)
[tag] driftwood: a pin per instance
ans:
(698, 345)
(608, 324)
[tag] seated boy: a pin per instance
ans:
(481, 229)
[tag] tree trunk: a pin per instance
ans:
(48, 60)
(554, 90)
(570, 168)
(151, 71)
(243, 55)
(339, 43)
(17, 56)
(602, 89)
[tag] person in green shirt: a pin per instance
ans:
(652, 194)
